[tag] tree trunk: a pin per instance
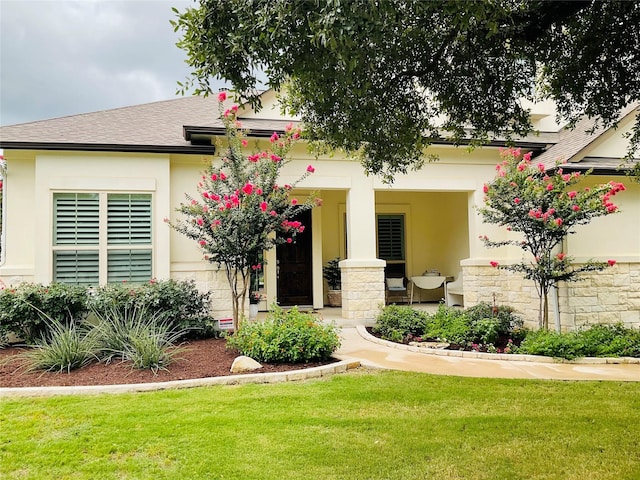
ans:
(238, 296)
(545, 310)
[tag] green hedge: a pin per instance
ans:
(28, 309)
(599, 340)
(24, 309)
(181, 304)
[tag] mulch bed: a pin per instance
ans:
(200, 359)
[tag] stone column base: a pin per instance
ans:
(362, 288)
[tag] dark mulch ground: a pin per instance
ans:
(201, 358)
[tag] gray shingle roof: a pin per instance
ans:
(156, 126)
(572, 142)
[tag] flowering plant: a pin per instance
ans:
(240, 205)
(544, 207)
(255, 297)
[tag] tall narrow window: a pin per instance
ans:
(76, 238)
(102, 238)
(391, 242)
(129, 238)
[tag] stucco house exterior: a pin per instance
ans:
(86, 196)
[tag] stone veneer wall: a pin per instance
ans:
(213, 281)
(362, 291)
(610, 296)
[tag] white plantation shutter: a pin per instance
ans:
(78, 267)
(129, 219)
(77, 219)
(100, 237)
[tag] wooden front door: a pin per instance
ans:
(294, 267)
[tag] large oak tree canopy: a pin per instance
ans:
(379, 76)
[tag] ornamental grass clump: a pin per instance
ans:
(64, 348)
(287, 336)
(146, 340)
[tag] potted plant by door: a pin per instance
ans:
(332, 274)
(254, 299)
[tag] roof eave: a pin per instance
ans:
(106, 147)
(192, 131)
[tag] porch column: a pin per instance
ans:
(362, 272)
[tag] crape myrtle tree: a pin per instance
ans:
(240, 210)
(377, 76)
(544, 207)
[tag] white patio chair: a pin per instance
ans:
(453, 292)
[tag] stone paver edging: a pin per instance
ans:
(362, 331)
(275, 377)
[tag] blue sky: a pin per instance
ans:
(63, 57)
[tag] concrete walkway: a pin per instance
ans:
(357, 344)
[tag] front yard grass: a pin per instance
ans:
(360, 425)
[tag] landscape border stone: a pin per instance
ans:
(273, 377)
(362, 331)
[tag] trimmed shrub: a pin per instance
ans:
(180, 304)
(24, 310)
(551, 344)
(491, 321)
(400, 323)
(285, 337)
(449, 325)
(604, 340)
(601, 340)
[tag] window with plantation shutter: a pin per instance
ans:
(78, 267)
(129, 219)
(391, 237)
(77, 219)
(128, 266)
(102, 238)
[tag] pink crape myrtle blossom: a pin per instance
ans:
(239, 206)
(543, 205)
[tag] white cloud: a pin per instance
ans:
(63, 57)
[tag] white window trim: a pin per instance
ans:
(103, 247)
(3, 213)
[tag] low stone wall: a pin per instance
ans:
(611, 296)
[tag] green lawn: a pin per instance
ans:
(360, 425)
